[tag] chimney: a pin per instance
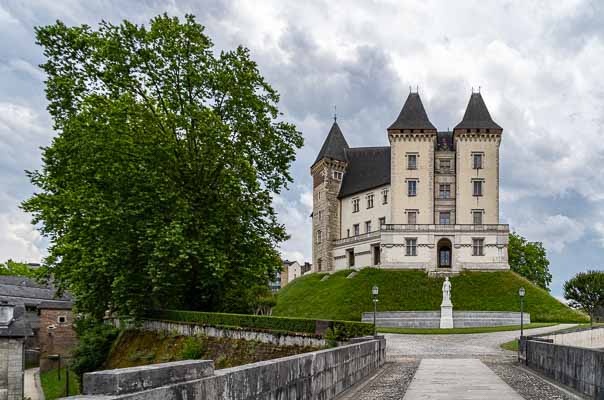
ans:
(6, 314)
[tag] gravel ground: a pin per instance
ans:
(391, 384)
(527, 385)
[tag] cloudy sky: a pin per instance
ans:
(540, 66)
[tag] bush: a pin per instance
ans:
(95, 340)
(192, 349)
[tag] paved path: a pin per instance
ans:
(457, 379)
(29, 384)
(479, 345)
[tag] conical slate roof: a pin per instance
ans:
(413, 115)
(335, 145)
(477, 115)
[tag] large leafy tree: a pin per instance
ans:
(529, 259)
(157, 190)
(585, 291)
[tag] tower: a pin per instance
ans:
(477, 138)
(327, 173)
(412, 142)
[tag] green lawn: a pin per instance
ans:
(346, 299)
(416, 331)
(55, 388)
(511, 345)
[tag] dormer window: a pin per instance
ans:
(337, 175)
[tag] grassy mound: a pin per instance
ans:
(345, 299)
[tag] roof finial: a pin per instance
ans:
(335, 113)
(409, 88)
(417, 89)
(472, 89)
(479, 89)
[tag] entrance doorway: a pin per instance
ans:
(444, 253)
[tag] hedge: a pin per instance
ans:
(345, 329)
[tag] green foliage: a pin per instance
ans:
(586, 291)
(347, 329)
(347, 299)
(529, 259)
(17, 269)
(157, 190)
(332, 336)
(265, 304)
(192, 349)
(511, 345)
(94, 343)
(54, 388)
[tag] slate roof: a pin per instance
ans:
(368, 168)
(413, 115)
(56, 305)
(334, 146)
(444, 141)
(477, 115)
(21, 290)
(19, 327)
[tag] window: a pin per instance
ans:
(477, 217)
(411, 246)
(367, 226)
(411, 188)
(337, 175)
(385, 196)
(355, 228)
(376, 254)
(355, 205)
(444, 191)
(320, 264)
(61, 319)
(347, 232)
(412, 217)
(320, 215)
(350, 257)
(477, 188)
(319, 196)
(370, 201)
(319, 236)
(411, 161)
(445, 218)
(477, 160)
(445, 165)
(382, 221)
(478, 247)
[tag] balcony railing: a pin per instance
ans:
(445, 228)
(358, 238)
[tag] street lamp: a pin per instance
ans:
(374, 291)
(521, 293)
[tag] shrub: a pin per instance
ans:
(331, 337)
(192, 349)
(95, 340)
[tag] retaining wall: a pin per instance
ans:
(581, 369)
(318, 375)
(431, 319)
(588, 338)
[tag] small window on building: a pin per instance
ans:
(370, 201)
(319, 196)
(350, 257)
(319, 236)
(382, 221)
(356, 229)
(445, 217)
(355, 205)
(477, 188)
(411, 246)
(445, 165)
(347, 232)
(319, 264)
(337, 175)
(477, 160)
(478, 247)
(320, 215)
(61, 319)
(385, 196)
(411, 161)
(411, 217)
(444, 191)
(367, 226)
(477, 217)
(412, 188)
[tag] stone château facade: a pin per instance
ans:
(428, 201)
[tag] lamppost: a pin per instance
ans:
(374, 292)
(521, 293)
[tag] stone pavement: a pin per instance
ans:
(457, 379)
(29, 385)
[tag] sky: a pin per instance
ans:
(540, 67)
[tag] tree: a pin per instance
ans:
(529, 259)
(17, 269)
(586, 291)
(157, 190)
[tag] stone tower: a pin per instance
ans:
(327, 173)
(412, 140)
(477, 138)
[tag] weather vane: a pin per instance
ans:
(335, 113)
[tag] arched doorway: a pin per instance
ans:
(444, 253)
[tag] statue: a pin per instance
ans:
(447, 291)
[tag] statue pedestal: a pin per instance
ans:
(446, 315)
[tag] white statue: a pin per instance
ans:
(447, 291)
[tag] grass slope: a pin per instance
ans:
(54, 388)
(345, 299)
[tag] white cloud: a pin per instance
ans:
(555, 231)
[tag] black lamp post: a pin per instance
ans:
(521, 293)
(374, 292)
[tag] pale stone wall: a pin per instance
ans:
(293, 271)
(488, 144)
(363, 246)
(379, 210)
(421, 144)
(11, 368)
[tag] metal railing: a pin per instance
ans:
(445, 228)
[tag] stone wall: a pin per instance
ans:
(431, 319)
(56, 336)
(317, 375)
(588, 338)
(11, 368)
(581, 369)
